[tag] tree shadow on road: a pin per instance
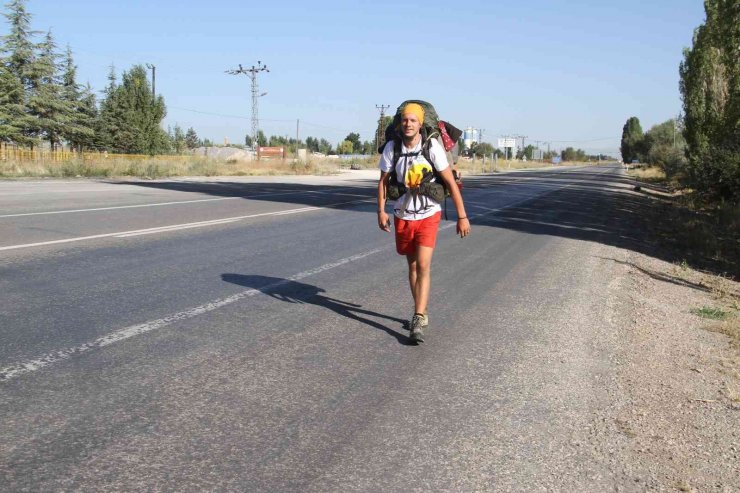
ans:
(298, 292)
(593, 204)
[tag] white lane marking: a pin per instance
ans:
(17, 369)
(159, 229)
(133, 206)
(156, 204)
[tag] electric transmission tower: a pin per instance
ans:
(252, 74)
(379, 132)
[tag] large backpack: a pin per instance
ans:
(432, 129)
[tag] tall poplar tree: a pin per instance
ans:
(710, 87)
(632, 140)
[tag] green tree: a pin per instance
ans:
(191, 139)
(664, 147)
(312, 144)
(78, 130)
(483, 149)
(19, 68)
(12, 109)
(368, 148)
(261, 139)
(710, 87)
(632, 144)
(354, 138)
(325, 147)
(54, 115)
(345, 147)
(18, 44)
(131, 118)
(177, 137)
(571, 154)
(525, 153)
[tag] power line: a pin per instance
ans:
(252, 74)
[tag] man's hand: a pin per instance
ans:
(463, 227)
(384, 221)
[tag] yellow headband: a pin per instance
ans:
(416, 110)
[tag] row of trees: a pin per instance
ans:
(663, 145)
(41, 100)
(703, 148)
(349, 145)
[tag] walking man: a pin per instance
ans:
(416, 215)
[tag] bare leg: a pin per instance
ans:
(422, 278)
(411, 260)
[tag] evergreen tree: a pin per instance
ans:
(632, 140)
(18, 43)
(191, 139)
(19, 68)
(78, 132)
(12, 109)
(53, 114)
(130, 118)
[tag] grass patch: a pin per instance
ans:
(710, 313)
(648, 174)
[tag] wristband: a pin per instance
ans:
(464, 217)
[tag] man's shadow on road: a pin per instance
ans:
(298, 292)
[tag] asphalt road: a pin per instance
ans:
(248, 335)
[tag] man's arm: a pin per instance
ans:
(383, 218)
(463, 224)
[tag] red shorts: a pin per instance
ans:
(412, 234)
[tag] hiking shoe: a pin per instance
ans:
(417, 328)
(425, 320)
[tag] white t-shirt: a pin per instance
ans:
(411, 166)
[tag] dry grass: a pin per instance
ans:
(161, 167)
(478, 166)
(649, 174)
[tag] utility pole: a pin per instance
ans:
(252, 74)
(154, 72)
(297, 126)
(380, 129)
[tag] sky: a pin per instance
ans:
(567, 72)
